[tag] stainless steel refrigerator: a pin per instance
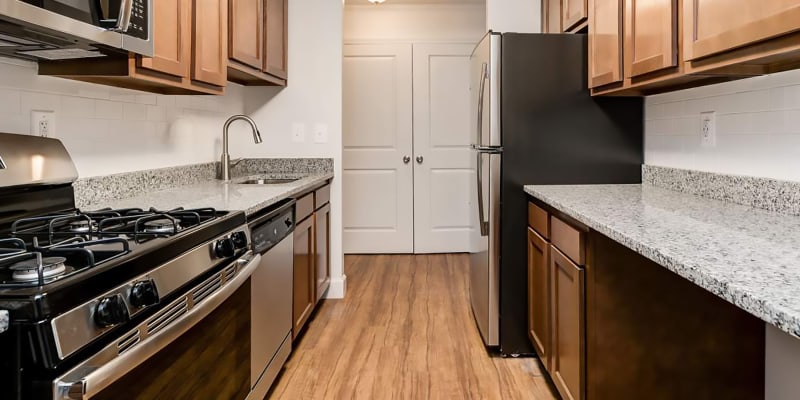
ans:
(534, 122)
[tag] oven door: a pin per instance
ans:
(198, 347)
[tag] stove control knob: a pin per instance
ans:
(144, 293)
(239, 239)
(224, 248)
(288, 222)
(111, 311)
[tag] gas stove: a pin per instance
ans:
(44, 248)
(82, 288)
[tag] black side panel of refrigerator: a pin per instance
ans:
(554, 132)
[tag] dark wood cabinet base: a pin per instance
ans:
(651, 334)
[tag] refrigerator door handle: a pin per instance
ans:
(484, 225)
(481, 92)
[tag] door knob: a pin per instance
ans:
(420, 159)
(406, 159)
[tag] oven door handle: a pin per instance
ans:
(86, 381)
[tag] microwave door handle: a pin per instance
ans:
(86, 381)
(125, 13)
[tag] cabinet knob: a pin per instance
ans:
(406, 159)
(420, 159)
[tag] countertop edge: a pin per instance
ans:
(762, 309)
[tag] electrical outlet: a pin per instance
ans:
(43, 123)
(708, 129)
(320, 133)
(298, 132)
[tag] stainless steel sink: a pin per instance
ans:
(268, 181)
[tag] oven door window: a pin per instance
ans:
(210, 361)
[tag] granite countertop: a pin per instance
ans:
(747, 256)
(222, 195)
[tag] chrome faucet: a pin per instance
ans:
(224, 171)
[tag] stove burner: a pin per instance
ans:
(28, 270)
(82, 226)
(161, 226)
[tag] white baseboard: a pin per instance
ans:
(338, 288)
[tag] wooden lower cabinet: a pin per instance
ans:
(568, 329)
(322, 243)
(304, 284)
(652, 334)
(539, 296)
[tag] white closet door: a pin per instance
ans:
(377, 134)
(444, 180)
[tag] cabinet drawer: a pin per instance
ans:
(539, 220)
(322, 196)
(304, 207)
(569, 240)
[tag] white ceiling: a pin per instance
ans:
(362, 2)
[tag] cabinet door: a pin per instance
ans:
(551, 16)
(304, 284)
(539, 295)
(605, 42)
(247, 32)
(275, 36)
(172, 38)
(651, 36)
(210, 42)
(568, 340)
(714, 26)
(322, 230)
(574, 13)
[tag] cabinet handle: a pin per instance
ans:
(406, 159)
(420, 159)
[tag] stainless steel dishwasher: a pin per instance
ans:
(271, 309)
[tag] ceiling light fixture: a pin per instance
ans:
(376, 1)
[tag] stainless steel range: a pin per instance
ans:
(132, 303)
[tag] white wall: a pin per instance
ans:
(414, 23)
(313, 96)
(109, 130)
(522, 16)
(758, 127)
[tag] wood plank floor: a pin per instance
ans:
(404, 331)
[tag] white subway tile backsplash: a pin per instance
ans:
(15, 123)
(10, 101)
(156, 113)
(758, 127)
(102, 125)
(135, 111)
(77, 107)
(107, 109)
(39, 101)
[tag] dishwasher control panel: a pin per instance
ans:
(271, 231)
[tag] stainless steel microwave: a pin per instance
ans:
(69, 29)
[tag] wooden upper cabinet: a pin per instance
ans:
(539, 296)
(605, 42)
(172, 38)
(574, 13)
(210, 42)
(714, 26)
(247, 32)
(651, 36)
(275, 37)
(551, 16)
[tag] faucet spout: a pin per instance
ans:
(224, 172)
